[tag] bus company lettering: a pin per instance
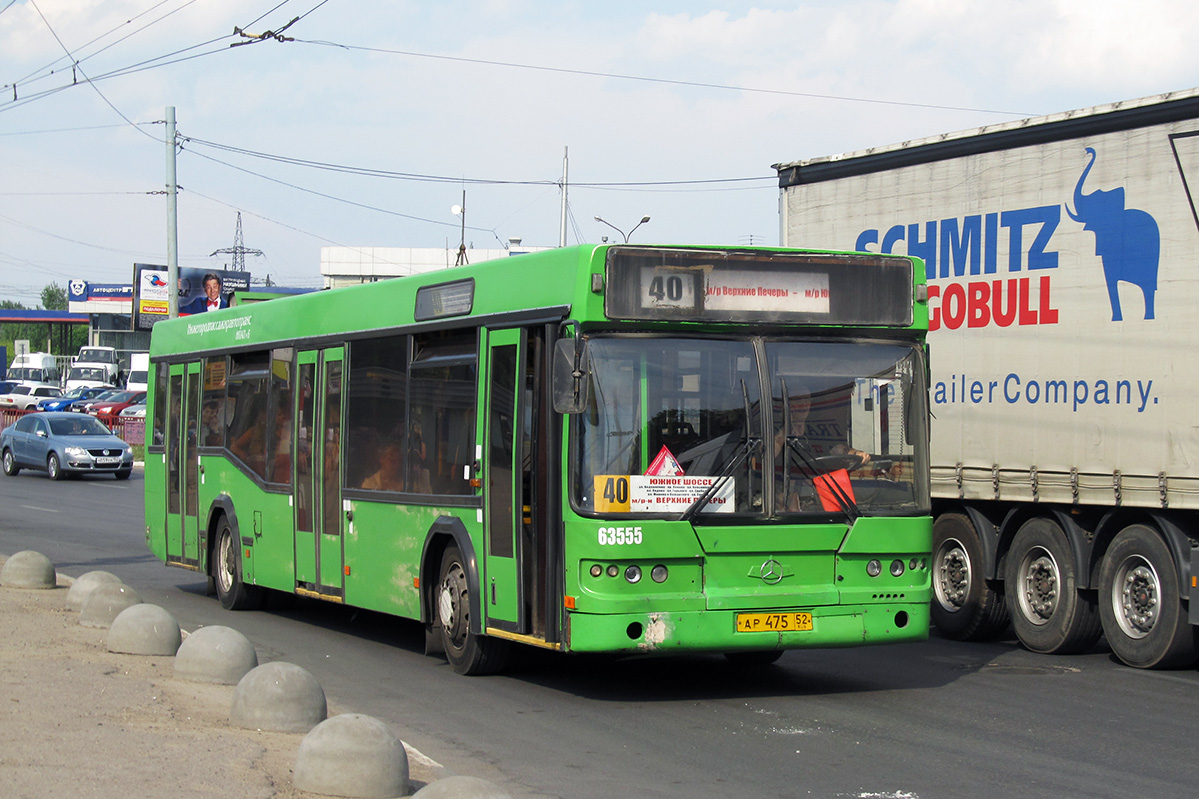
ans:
(968, 247)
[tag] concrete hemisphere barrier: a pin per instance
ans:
(85, 584)
(105, 603)
(28, 569)
(352, 755)
(280, 697)
(461, 788)
(215, 654)
(144, 630)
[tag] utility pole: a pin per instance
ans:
(172, 221)
(562, 226)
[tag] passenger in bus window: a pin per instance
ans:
(390, 476)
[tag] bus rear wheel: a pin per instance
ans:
(227, 574)
(467, 652)
(964, 606)
(1140, 602)
(1049, 613)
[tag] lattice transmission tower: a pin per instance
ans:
(238, 250)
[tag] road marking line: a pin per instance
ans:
(43, 510)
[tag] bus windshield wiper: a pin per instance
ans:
(794, 444)
(749, 444)
(812, 463)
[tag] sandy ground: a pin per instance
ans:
(78, 720)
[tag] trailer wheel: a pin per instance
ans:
(467, 652)
(1140, 602)
(226, 572)
(1049, 613)
(964, 607)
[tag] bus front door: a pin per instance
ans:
(183, 466)
(514, 550)
(317, 501)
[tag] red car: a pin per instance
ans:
(113, 405)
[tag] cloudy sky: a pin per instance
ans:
(373, 117)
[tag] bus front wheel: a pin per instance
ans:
(226, 572)
(467, 652)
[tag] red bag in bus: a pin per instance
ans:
(828, 486)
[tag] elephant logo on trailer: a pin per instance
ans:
(1126, 239)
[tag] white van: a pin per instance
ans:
(93, 367)
(34, 367)
(139, 372)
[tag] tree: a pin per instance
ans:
(54, 298)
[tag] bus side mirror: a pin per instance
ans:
(570, 376)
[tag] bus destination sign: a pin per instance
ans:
(758, 286)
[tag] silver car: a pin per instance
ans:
(63, 444)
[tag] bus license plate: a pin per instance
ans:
(773, 622)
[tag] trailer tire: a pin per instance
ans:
(964, 606)
(1140, 603)
(1049, 613)
(468, 653)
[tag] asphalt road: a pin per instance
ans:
(919, 721)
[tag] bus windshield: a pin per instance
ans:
(677, 426)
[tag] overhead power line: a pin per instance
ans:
(667, 81)
(427, 178)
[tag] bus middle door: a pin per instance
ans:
(318, 507)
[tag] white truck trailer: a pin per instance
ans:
(1062, 256)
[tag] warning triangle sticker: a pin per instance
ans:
(664, 465)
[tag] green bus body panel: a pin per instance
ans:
(383, 551)
(714, 630)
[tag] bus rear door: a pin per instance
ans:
(183, 466)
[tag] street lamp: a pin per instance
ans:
(644, 219)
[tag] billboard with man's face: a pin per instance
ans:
(199, 290)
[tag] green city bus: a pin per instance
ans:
(601, 448)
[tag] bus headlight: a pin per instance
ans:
(633, 574)
(659, 573)
(596, 570)
(874, 568)
(896, 568)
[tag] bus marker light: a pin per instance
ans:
(416, 582)
(613, 570)
(569, 602)
(347, 571)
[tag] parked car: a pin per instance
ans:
(137, 411)
(69, 398)
(82, 405)
(26, 395)
(117, 403)
(6, 386)
(63, 444)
